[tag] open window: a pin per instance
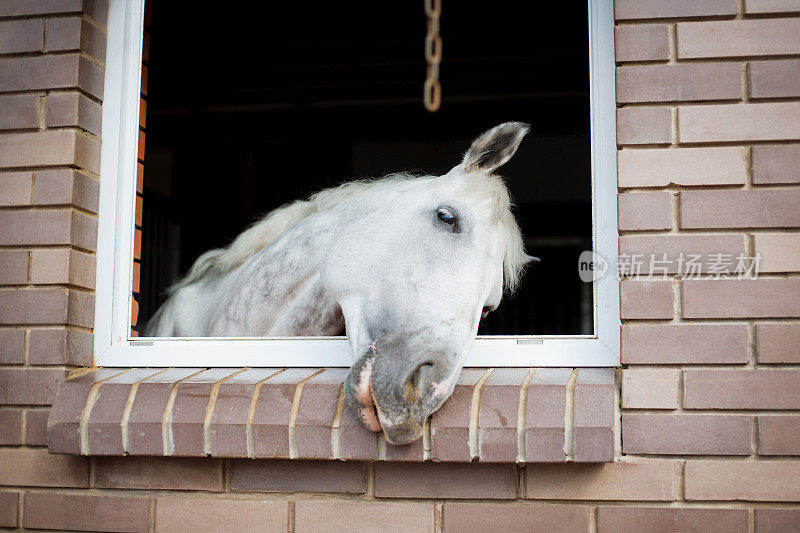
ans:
(287, 101)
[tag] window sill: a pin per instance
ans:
(565, 415)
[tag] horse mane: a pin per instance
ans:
(223, 260)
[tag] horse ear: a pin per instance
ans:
(531, 259)
(495, 147)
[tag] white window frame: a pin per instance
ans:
(113, 344)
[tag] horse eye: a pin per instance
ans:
(446, 216)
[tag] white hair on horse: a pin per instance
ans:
(267, 229)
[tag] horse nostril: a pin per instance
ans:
(419, 373)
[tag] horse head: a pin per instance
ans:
(414, 271)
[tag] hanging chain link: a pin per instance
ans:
(432, 93)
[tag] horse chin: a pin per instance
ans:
(400, 437)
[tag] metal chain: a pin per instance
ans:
(432, 92)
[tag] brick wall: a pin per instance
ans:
(709, 130)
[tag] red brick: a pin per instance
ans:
(9, 502)
(684, 343)
(772, 121)
(75, 34)
(298, 476)
(777, 520)
(63, 427)
(679, 82)
(137, 274)
(73, 109)
(776, 163)
(86, 512)
(145, 430)
(36, 427)
(646, 299)
(775, 79)
(355, 441)
(732, 38)
(544, 415)
(315, 414)
(139, 177)
(52, 147)
(14, 267)
(741, 389)
(644, 125)
(187, 418)
(138, 212)
(450, 424)
(414, 452)
(80, 309)
(228, 425)
(36, 467)
(270, 426)
(134, 311)
(140, 150)
(144, 80)
(103, 428)
(323, 516)
(669, 254)
(445, 480)
(685, 434)
(51, 72)
(18, 36)
(777, 481)
(771, 6)
(655, 520)
(762, 298)
(460, 517)
(63, 266)
(11, 427)
(594, 416)
(15, 188)
(660, 167)
(56, 226)
(645, 211)
(18, 111)
(98, 11)
(642, 42)
(770, 208)
(650, 389)
(59, 346)
(220, 515)
(48, 346)
(146, 46)
(779, 435)
(39, 7)
(649, 9)
(66, 187)
(157, 473)
(778, 343)
(499, 411)
(780, 252)
(29, 386)
(12, 346)
(651, 480)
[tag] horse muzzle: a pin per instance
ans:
(396, 394)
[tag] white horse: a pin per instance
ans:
(407, 265)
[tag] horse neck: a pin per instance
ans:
(278, 291)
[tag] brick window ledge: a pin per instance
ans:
(565, 415)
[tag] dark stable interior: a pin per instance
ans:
(253, 107)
